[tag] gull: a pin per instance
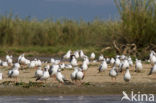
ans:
(92, 56)
(62, 66)
(4, 64)
(152, 58)
(138, 66)
(103, 66)
(52, 60)
(130, 61)
(84, 66)
(108, 60)
(86, 60)
(32, 64)
(112, 61)
(82, 54)
(9, 59)
(53, 70)
(76, 53)
(125, 65)
(79, 75)
(117, 62)
(67, 55)
(39, 72)
(113, 73)
(59, 77)
(73, 60)
(101, 57)
(73, 74)
(127, 76)
(14, 72)
(45, 75)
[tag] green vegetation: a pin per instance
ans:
(137, 25)
(138, 21)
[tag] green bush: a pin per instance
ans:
(138, 21)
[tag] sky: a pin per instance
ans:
(71, 9)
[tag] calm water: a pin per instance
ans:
(61, 99)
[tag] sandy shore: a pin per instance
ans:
(94, 83)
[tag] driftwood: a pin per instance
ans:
(127, 49)
(105, 49)
(117, 48)
(151, 47)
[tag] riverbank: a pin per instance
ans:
(91, 90)
(93, 84)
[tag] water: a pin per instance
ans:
(64, 99)
(60, 99)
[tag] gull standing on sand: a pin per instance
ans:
(113, 73)
(38, 72)
(53, 70)
(112, 61)
(9, 60)
(138, 66)
(52, 60)
(45, 75)
(62, 66)
(86, 60)
(67, 55)
(73, 60)
(22, 59)
(84, 66)
(125, 65)
(76, 53)
(101, 57)
(82, 54)
(127, 76)
(103, 66)
(59, 77)
(79, 75)
(73, 74)
(32, 64)
(14, 72)
(152, 58)
(130, 61)
(108, 60)
(92, 56)
(117, 62)
(4, 64)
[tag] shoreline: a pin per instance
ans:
(73, 90)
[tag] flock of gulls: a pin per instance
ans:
(46, 69)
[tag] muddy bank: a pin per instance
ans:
(84, 89)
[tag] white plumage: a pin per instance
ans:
(84, 66)
(103, 66)
(138, 66)
(39, 72)
(92, 56)
(127, 76)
